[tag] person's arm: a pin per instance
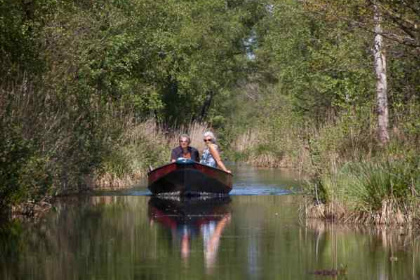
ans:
(173, 155)
(217, 158)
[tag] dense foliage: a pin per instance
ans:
(315, 103)
(284, 83)
(77, 77)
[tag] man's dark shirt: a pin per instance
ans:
(177, 153)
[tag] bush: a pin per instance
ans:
(14, 155)
(24, 173)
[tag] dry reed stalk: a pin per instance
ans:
(304, 159)
(271, 161)
(195, 130)
(389, 214)
(246, 140)
(148, 132)
(111, 182)
(316, 211)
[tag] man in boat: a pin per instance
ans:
(184, 150)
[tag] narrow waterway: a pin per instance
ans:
(256, 233)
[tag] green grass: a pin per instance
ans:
(382, 189)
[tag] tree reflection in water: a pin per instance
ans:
(188, 218)
(397, 244)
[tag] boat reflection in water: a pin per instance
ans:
(193, 217)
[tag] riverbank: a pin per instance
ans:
(379, 191)
(352, 178)
(390, 213)
(368, 191)
(141, 146)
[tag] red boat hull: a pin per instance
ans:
(189, 178)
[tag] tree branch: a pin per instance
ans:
(410, 41)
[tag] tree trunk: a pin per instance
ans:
(206, 105)
(381, 78)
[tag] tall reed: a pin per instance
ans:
(383, 190)
(143, 146)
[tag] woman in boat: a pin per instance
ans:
(211, 154)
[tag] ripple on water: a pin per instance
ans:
(258, 190)
(240, 188)
(237, 190)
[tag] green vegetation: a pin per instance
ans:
(81, 80)
(93, 93)
(314, 101)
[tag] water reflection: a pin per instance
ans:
(191, 218)
(250, 237)
(397, 244)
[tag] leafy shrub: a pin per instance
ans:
(23, 173)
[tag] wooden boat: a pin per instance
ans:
(189, 178)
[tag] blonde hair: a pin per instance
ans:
(211, 135)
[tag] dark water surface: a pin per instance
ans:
(256, 233)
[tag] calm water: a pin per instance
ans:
(256, 233)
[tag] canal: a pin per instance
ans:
(256, 233)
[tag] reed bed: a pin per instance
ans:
(265, 149)
(55, 144)
(142, 147)
(390, 213)
(351, 178)
(365, 192)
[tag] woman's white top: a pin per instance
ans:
(207, 158)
